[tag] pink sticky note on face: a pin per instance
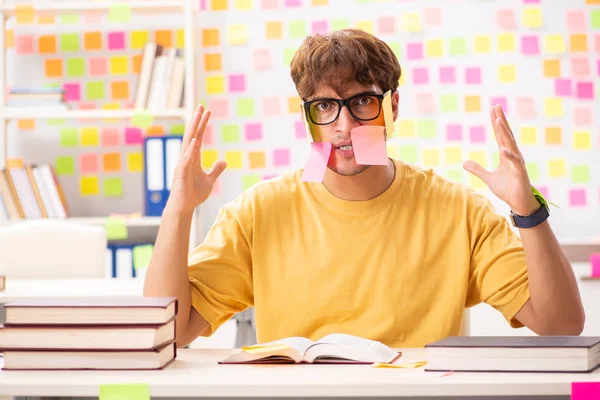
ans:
(580, 67)
(585, 390)
(253, 131)
(387, 25)
(447, 75)
(414, 51)
(585, 90)
(420, 75)
(505, 19)
(316, 165)
(72, 91)
(562, 87)
(271, 106)
(526, 107)
(237, 83)
(576, 21)
(477, 134)
(595, 262)
(582, 116)
(281, 157)
(454, 132)
(218, 108)
(320, 27)
(133, 136)
(116, 40)
(577, 197)
(473, 75)
(530, 45)
(368, 143)
(425, 103)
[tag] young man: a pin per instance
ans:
(388, 252)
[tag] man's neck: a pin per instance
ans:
(361, 187)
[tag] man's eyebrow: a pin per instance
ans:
(365, 93)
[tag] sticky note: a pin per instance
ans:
(320, 27)
(434, 48)
(338, 24)
(505, 19)
(576, 21)
(135, 162)
(455, 175)
(580, 67)
(237, 83)
(557, 168)
(532, 17)
(411, 22)
(53, 68)
(530, 45)
(585, 390)
(595, 263)
(109, 137)
(111, 162)
(406, 128)
(212, 62)
(316, 165)
(473, 75)
(458, 46)
(88, 163)
(528, 135)
(477, 134)
(253, 131)
(553, 107)
(164, 37)
(90, 136)
(368, 143)
(454, 132)
(25, 13)
(414, 51)
(234, 159)
(420, 75)
(119, 65)
(447, 74)
(245, 107)
(68, 137)
(582, 140)
(142, 118)
(533, 171)
(479, 157)
(26, 124)
(250, 180)
(69, 18)
(577, 198)
(580, 173)
(427, 129)
(424, 103)
(578, 42)
(562, 87)
(88, 186)
(119, 90)
(507, 73)
(553, 135)
(262, 60)
(273, 30)
(237, 34)
(408, 153)
(554, 44)
(119, 13)
(94, 90)
(210, 37)
(215, 84)
(142, 254)
(501, 101)
(219, 108)
(386, 25)
(449, 103)
(133, 136)
(138, 39)
(75, 67)
(582, 116)
(297, 29)
(72, 92)
(432, 16)
(281, 157)
(230, 133)
(552, 68)
(69, 42)
(47, 44)
(366, 26)
(256, 159)
(585, 90)
(525, 107)
(472, 103)
(113, 187)
(431, 157)
(506, 42)
(454, 155)
(65, 165)
(97, 66)
(24, 44)
(481, 44)
(288, 55)
(320, 2)
(300, 130)
(595, 18)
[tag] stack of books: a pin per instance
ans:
(89, 333)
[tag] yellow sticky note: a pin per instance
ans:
(215, 84)
(125, 391)
(551, 68)
(25, 13)
(257, 349)
(88, 186)
(393, 151)
(366, 26)
(119, 65)
(139, 39)
(237, 34)
(434, 48)
(257, 159)
(431, 157)
(476, 183)
(532, 17)
(478, 157)
(407, 128)
(507, 73)
(454, 155)
(557, 168)
(553, 107)
(554, 44)
(553, 135)
(218, 5)
(209, 157)
(135, 162)
(234, 159)
(481, 44)
(506, 42)
(45, 19)
(388, 114)
(582, 140)
(529, 135)
(90, 136)
(472, 103)
(273, 30)
(26, 124)
(411, 22)
(243, 4)
(405, 365)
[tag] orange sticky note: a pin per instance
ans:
(9, 38)
(26, 124)
(25, 13)
(156, 130)
(472, 103)
(136, 62)
(553, 135)
(257, 159)
(92, 41)
(119, 90)
(552, 68)
(54, 68)
(45, 19)
(111, 162)
(294, 105)
(210, 37)
(273, 30)
(47, 44)
(164, 37)
(578, 42)
(212, 62)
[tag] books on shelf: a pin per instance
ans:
(161, 154)
(36, 97)
(89, 333)
(331, 349)
(122, 262)
(514, 354)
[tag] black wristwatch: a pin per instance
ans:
(532, 220)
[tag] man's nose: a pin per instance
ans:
(346, 122)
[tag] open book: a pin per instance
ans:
(331, 349)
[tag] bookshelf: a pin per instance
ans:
(148, 7)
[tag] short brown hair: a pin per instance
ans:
(343, 56)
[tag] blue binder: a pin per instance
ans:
(161, 154)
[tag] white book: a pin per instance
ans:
(151, 50)
(44, 192)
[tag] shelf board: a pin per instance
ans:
(11, 113)
(57, 7)
(130, 222)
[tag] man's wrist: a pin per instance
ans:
(529, 209)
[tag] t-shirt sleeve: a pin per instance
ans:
(498, 270)
(220, 269)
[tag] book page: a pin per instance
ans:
(298, 343)
(350, 348)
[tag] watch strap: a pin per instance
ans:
(532, 220)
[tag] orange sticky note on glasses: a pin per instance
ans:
(368, 143)
(388, 113)
(316, 165)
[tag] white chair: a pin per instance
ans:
(465, 329)
(52, 249)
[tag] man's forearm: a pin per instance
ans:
(167, 274)
(555, 303)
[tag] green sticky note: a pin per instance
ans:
(455, 175)
(142, 255)
(396, 48)
(69, 42)
(69, 137)
(119, 13)
(595, 18)
(94, 90)
(142, 119)
(245, 107)
(116, 229)
(125, 391)
(298, 29)
(65, 165)
(250, 180)
(178, 129)
(427, 129)
(288, 55)
(408, 153)
(338, 24)
(449, 103)
(580, 174)
(495, 159)
(113, 187)
(69, 18)
(75, 67)
(458, 46)
(55, 122)
(533, 171)
(230, 133)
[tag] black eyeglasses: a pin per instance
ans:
(362, 106)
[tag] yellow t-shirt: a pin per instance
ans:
(399, 268)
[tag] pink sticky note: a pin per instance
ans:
(87, 106)
(368, 143)
(585, 90)
(433, 16)
(92, 18)
(262, 60)
(271, 106)
(502, 101)
(544, 191)
(109, 137)
(116, 40)
(281, 157)
(577, 197)
(414, 51)
(24, 44)
(316, 165)
(597, 43)
(562, 87)
(477, 134)
(580, 67)
(420, 75)
(88, 163)
(526, 107)
(133, 136)
(387, 25)
(530, 45)
(320, 27)
(97, 66)
(576, 21)
(598, 68)
(531, 1)
(269, 4)
(300, 130)
(269, 176)
(72, 91)
(424, 103)
(505, 19)
(454, 132)
(582, 116)
(447, 75)
(473, 75)
(293, 3)
(218, 108)
(253, 131)
(595, 262)
(237, 83)
(207, 138)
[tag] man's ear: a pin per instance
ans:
(395, 101)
